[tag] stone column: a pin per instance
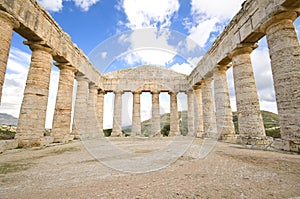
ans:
(156, 131)
(198, 111)
(92, 128)
(284, 52)
(190, 96)
(117, 120)
(209, 119)
(7, 24)
(174, 122)
(63, 107)
(225, 125)
(249, 117)
(136, 114)
(80, 109)
(31, 124)
(100, 109)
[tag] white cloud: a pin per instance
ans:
(145, 13)
(57, 5)
(52, 5)
(182, 68)
(215, 8)
(85, 4)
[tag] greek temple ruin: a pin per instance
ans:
(209, 111)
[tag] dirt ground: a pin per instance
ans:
(70, 171)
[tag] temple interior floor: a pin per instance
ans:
(70, 171)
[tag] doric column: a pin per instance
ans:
(155, 114)
(92, 117)
(198, 111)
(209, 119)
(7, 24)
(80, 109)
(249, 117)
(225, 125)
(174, 122)
(136, 114)
(284, 52)
(117, 120)
(190, 96)
(31, 124)
(100, 109)
(63, 107)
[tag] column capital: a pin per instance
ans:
(120, 92)
(93, 86)
(101, 92)
(172, 93)
(10, 19)
(136, 92)
(155, 92)
(38, 45)
(290, 15)
(245, 48)
(65, 66)
(82, 78)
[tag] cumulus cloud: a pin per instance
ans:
(182, 68)
(145, 13)
(57, 5)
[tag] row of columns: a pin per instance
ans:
(284, 53)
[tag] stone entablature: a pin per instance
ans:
(145, 78)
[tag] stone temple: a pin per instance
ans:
(256, 19)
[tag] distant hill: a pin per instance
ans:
(271, 123)
(6, 119)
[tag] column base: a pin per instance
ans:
(61, 139)
(229, 138)
(286, 145)
(200, 134)
(175, 133)
(44, 141)
(116, 134)
(259, 142)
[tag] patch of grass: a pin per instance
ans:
(13, 167)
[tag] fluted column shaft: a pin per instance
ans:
(117, 120)
(80, 109)
(222, 102)
(7, 24)
(136, 114)
(284, 52)
(198, 111)
(100, 109)
(63, 107)
(174, 122)
(209, 119)
(92, 117)
(249, 116)
(190, 96)
(31, 123)
(155, 114)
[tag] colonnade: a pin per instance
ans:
(209, 113)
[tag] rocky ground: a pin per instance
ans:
(70, 171)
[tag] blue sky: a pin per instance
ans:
(96, 25)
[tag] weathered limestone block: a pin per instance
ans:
(31, 124)
(174, 122)
(285, 58)
(7, 24)
(100, 109)
(136, 114)
(249, 116)
(117, 120)
(224, 121)
(92, 129)
(190, 97)
(63, 109)
(209, 119)
(80, 109)
(155, 114)
(8, 144)
(198, 112)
